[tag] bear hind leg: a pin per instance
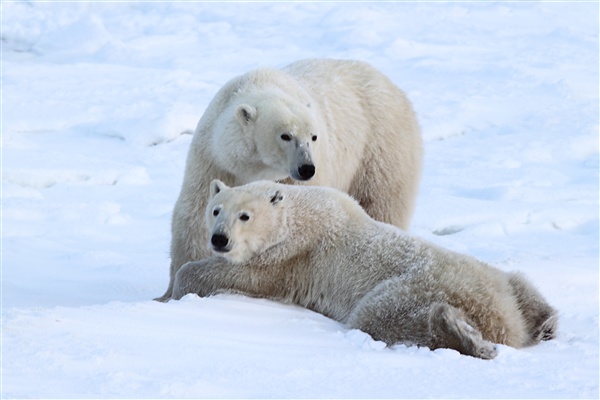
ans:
(396, 311)
(540, 318)
(450, 329)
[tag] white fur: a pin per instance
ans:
(344, 118)
(316, 247)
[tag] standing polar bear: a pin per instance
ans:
(331, 123)
(316, 247)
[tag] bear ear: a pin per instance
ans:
(216, 186)
(245, 114)
(275, 197)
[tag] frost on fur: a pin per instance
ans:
(316, 247)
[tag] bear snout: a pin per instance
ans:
(220, 242)
(306, 171)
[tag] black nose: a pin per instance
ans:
(306, 171)
(219, 241)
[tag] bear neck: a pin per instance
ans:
(332, 216)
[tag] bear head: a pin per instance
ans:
(243, 223)
(271, 136)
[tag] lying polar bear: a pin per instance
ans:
(316, 247)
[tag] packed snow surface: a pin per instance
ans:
(98, 103)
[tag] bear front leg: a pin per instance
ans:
(206, 277)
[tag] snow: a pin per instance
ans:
(98, 103)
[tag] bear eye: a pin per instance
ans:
(215, 212)
(286, 137)
(314, 138)
(244, 217)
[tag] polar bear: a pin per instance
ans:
(317, 248)
(331, 123)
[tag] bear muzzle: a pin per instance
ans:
(219, 243)
(302, 165)
(305, 172)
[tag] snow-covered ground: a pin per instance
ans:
(98, 100)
